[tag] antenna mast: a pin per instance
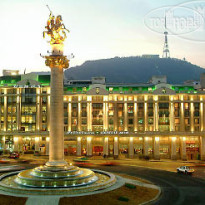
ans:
(166, 53)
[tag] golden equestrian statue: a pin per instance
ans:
(56, 30)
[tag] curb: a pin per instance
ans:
(155, 198)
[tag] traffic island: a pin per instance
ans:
(127, 194)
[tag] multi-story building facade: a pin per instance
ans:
(156, 119)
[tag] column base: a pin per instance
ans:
(131, 156)
(57, 163)
(116, 156)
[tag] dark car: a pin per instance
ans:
(14, 155)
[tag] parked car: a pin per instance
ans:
(14, 155)
(185, 170)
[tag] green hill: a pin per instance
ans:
(136, 69)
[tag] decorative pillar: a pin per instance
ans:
(18, 110)
(125, 116)
(48, 110)
(20, 139)
(135, 117)
(116, 147)
(183, 149)
(156, 148)
(47, 145)
(105, 147)
(38, 113)
(156, 116)
(89, 113)
(105, 113)
(202, 147)
(201, 116)
(5, 109)
(16, 144)
(182, 128)
(173, 148)
(131, 148)
(79, 113)
(192, 116)
(89, 147)
(69, 116)
(37, 144)
(172, 123)
(79, 146)
(146, 146)
(4, 143)
(145, 116)
(115, 117)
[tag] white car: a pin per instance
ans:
(185, 170)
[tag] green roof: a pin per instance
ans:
(9, 80)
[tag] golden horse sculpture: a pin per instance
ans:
(55, 29)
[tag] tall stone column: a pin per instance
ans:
(156, 117)
(37, 144)
(192, 116)
(47, 145)
(18, 110)
(172, 123)
(146, 146)
(131, 148)
(125, 117)
(16, 144)
(48, 110)
(202, 116)
(182, 128)
(56, 146)
(5, 109)
(116, 147)
(135, 117)
(183, 149)
(115, 117)
(105, 147)
(156, 148)
(89, 113)
(79, 146)
(202, 147)
(3, 141)
(173, 148)
(69, 116)
(89, 147)
(105, 114)
(79, 113)
(145, 116)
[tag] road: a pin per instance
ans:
(176, 188)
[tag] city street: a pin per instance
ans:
(176, 188)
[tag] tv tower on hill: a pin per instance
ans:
(166, 53)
